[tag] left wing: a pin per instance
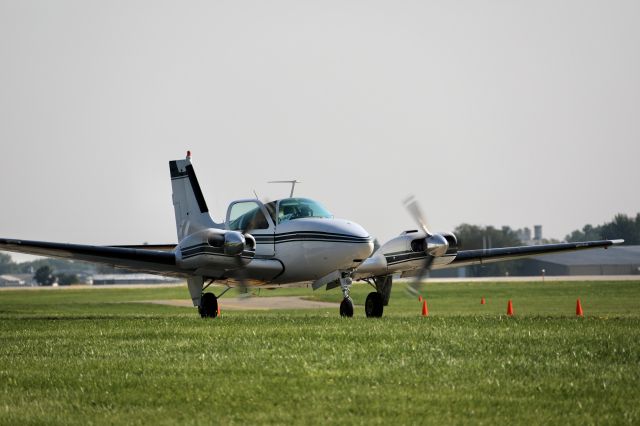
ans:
(482, 256)
(156, 261)
(400, 256)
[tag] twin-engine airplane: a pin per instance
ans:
(291, 241)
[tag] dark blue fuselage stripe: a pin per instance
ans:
(310, 236)
(289, 237)
(245, 255)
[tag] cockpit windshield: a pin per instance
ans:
(297, 208)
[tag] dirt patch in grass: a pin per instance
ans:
(255, 303)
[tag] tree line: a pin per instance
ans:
(471, 237)
(622, 226)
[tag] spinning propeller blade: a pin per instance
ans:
(415, 287)
(415, 211)
(241, 272)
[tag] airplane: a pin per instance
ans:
(288, 242)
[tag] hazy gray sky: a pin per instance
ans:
(490, 112)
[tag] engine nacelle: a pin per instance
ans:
(215, 249)
(452, 240)
(395, 255)
(233, 243)
(436, 245)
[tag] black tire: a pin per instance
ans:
(346, 308)
(208, 306)
(374, 306)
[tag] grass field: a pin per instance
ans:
(97, 356)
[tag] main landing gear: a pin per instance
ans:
(374, 306)
(208, 306)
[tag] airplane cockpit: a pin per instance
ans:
(297, 208)
(252, 214)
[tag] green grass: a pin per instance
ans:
(87, 356)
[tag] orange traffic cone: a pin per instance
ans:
(425, 310)
(579, 312)
(420, 298)
(482, 301)
(510, 308)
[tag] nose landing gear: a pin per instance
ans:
(346, 307)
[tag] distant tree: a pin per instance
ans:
(57, 265)
(44, 276)
(622, 226)
(588, 233)
(625, 227)
(108, 269)
(550, 241)
(6, 264)
(67, 279)
(473, 237)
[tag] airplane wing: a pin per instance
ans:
(409, 262)
(161, 247)
(135, 258)
(482, 256)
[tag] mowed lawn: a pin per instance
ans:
(98, 356)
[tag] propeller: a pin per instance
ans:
(411, 204)
(234, 243)
(241, 272)
(434, 245)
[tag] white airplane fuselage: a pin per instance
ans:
(310, 248)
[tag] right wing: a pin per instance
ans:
(137, 259)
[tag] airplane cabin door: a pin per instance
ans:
(251, 216)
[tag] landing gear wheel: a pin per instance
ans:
(374, 306)
(208, 306)
(346, 307)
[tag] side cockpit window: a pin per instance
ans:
(246, 215)
(298, 208)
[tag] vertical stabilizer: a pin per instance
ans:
(191, 209)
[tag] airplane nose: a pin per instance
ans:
(353, 232)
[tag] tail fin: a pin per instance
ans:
(191, 209)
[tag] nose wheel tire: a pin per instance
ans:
(374, 305)
(346, 308)
(208, 306)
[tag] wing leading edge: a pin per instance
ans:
(138, 259)
(482, 256)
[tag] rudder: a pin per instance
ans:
(192, 213)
